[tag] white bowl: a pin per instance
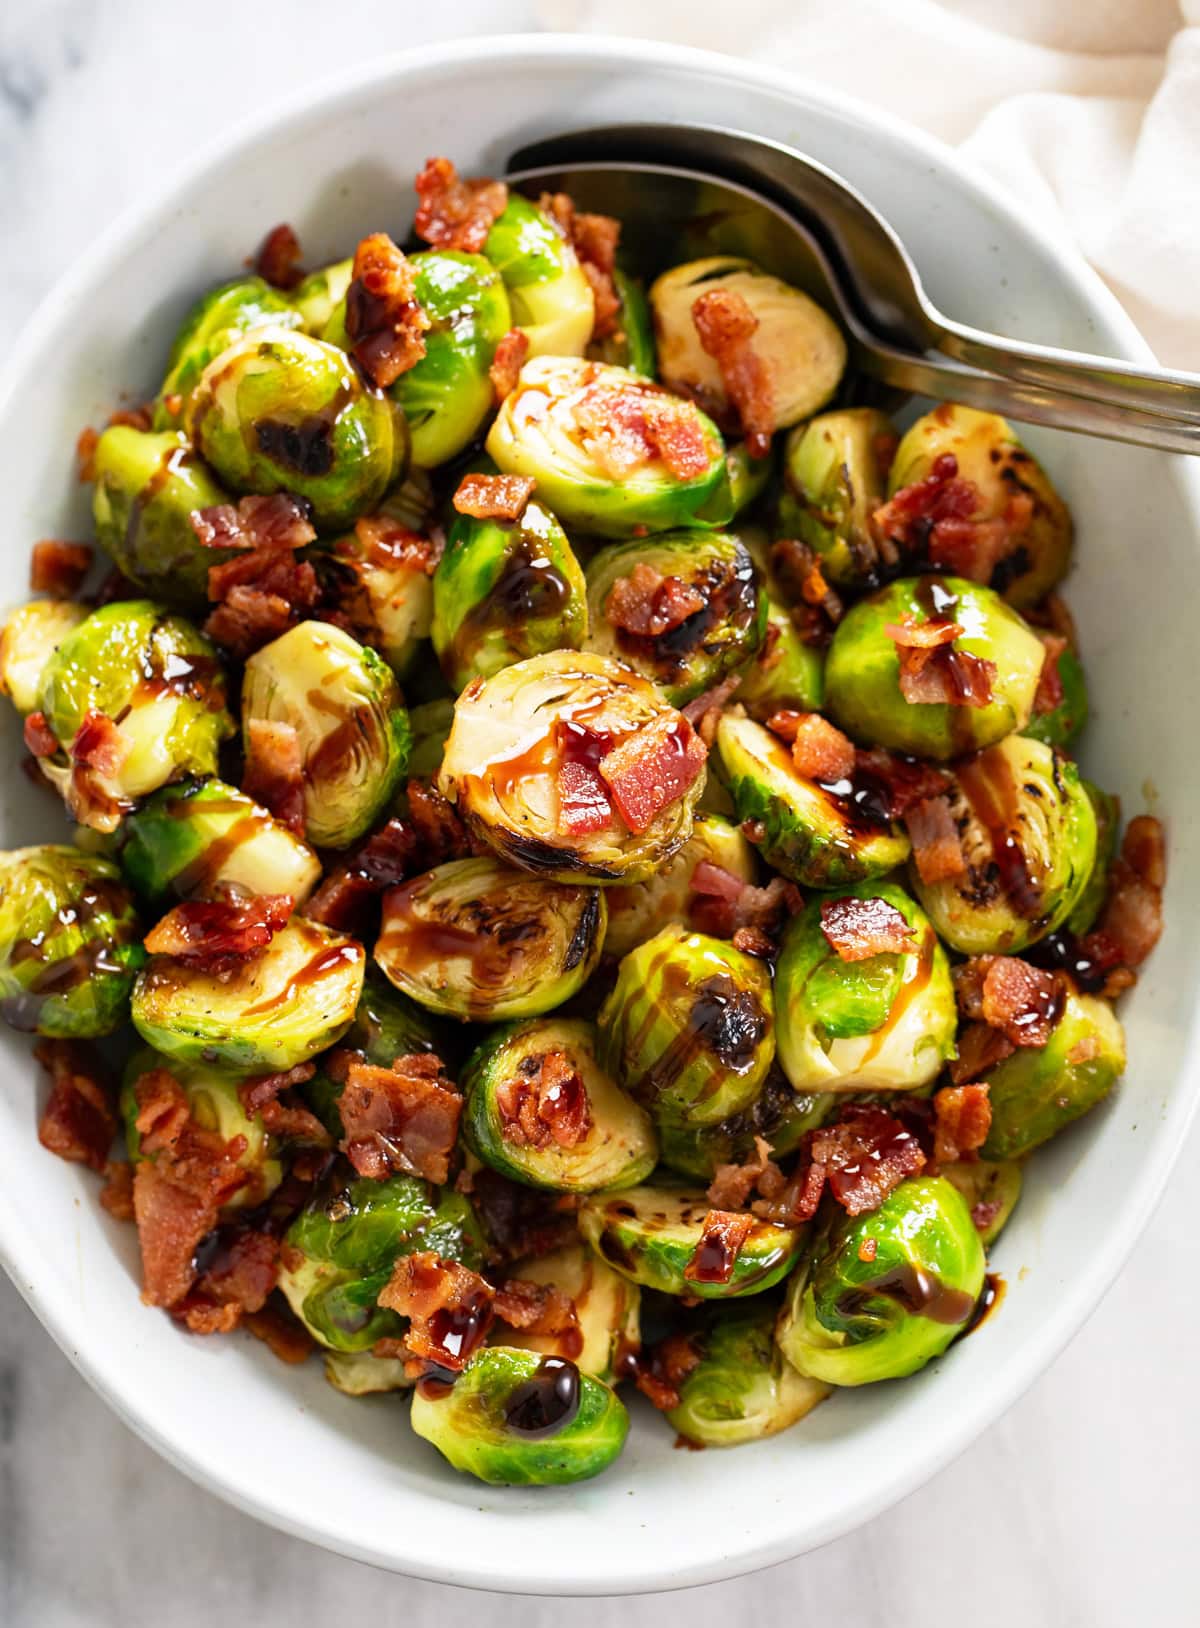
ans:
(349, 1474)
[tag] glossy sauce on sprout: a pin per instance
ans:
(529, 587)
(921, 1294)
(546, 1402)
(990, 787)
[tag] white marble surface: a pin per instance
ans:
(1078, 1508)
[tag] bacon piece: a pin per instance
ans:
(400, 1118)
(903, 781)
(732, 1184)
(278, 259)
(980, 1048)
(494, 497)
(962, 1119)
(726, 327)
(256, 1092)
(721, 1241)
(726, 905)
(58, 569)
(264, 1095)
(866, 1155)
(456, 214)
(430, 833)
(1131, 922)
(545, 1101)
(274, 772)
(704, 711)
(79, 1120)
(85, 453)
(99, 745)
(801, 578)
(646, 604)
(937, 849)
(819, 750)
(753, 941)
(653, 768)
(213, 933)
(932, 672)
(507, 362)
(39, 737)
(583, 804)
(594, 239)
(247, 619)
(238, 1278)
(263, 590)
(1049, 693)
(858, 928)
(277, 523)
(385, 322)
(538, 1308)
(660, 1375)
(116, 1196)
(625, 428)
(936, 517)
(448, 1306)
(1020, 1000)
(281, 1332)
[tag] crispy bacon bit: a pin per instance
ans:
(456, 214)
(858, 928)
(430, 833)
(704, 712)
(449, 1307)
(1131, 922)
(212, 933)
(274, 773)
(594, 239)
(256, 1092)
(862, 1156)
(980, 1048)
(932, 672)
(278, 258)
(494, 497)
(1049, 693)
(936, 518)
(545, 1101)
(263, 590)
(238, 1279)
(507, 362)
(78, 1122)
(583, 804)
(1020, 1000)
(99, 745)
(903, 781)
(116, 1196)
(660, 1375)
(819, 749)
(962, 1119)
(538, 1308)
(385, 322)
(625, 428)
(133, 418)
(58, 569)
(652, 768)
(646, 604)
(721, 1241)
(39, 737)
(400, 1118)
(85, 453)
(726, 327)
(276, 523)
(937, 849)
(281, 1332)
(753, 941)
(732, 1184)
(725, 904)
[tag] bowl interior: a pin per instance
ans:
(349, 1474)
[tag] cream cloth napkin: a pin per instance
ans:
(1087, 110)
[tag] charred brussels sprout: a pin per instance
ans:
(70, 944)
(383, 587)
(562, 763)
(779, 1115)
(1038, 1091)
(636, 913)
(210, 327)
(688, 1027)
(607, 1309)
(835, 472)
(683, 608)
(561, 427)
(881, 1294)
(505, 590)
(275, 1010)
(28, 640)
(549, 296)
(632, 345)
(318, 296)
(476, 940)
(822, 836)
(343, 703)
(344, 1243)
(515, 1419)
(653, 1234)
(991, 1188)
(862, 670)
(186, 838)
(883, 1023)
(802, 347)
(280, 412)
(1010, 486)
(741, 1389)
(1027, 829)
(541, 1110)
(1062, 723)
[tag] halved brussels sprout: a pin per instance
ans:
(1039, 1090)
(477, 940)
(318, 296)
(637, 912)
(989, 456)
(881, 1294)
(541, 1110)
(274, 1010)
(651, 1234)
(70, 944)
(862, 669)
(550, 298)
(801, 346)
(885, 1023)
(1062, 724)
(210, 327)
(701, 583)
(186, 838)
(607, 1309)
(383, 588)
(515, 1419)
(742, 1389)
(823, 836)
(29, 638)
(991, 1188)
(632, 345)
(362, 1373)
(593, 438)
(504, 590)
(749, 477)
(779, 1115)
(342, 701)
(786, 674)
(517, 734)
(1028, 833)
(431, 724)
(342, 1247)
(688, 1028)
(1107, 810)
(283, 412)
(835, 474)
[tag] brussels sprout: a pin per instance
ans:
(741, 1389)
(29, 638)
(273, 1011)
(1107, 810)
(632, 345)
(504, 590)
(318, 296)
(557, 426)
(856, 1314)
(550, 298)
(636, 913)
(749, 477)
(822, 836)
(69, 942)
(477, 940)
(779, 1115)
(1038, 1091)
(885, 1023)
(990, 457)
(607, 1309)
(651, 1235)
(383, 587)
(1062, 724)
(505, 1084)
(688, 1028)
(1028, 833)
(186, 838)
(834, 479)
(800, 345)
(786, 674)
(719, 619)
(281, 411)
(342, 700)
(411, 502)
(350, 1235)
(362, 1373)
(862, 669)
(991, 1189)
(513, 1418)
(210, 327)
(431, 724)
(515, 733)
(158, 680)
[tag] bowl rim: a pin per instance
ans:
(19, 1252)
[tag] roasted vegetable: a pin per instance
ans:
(1062, 723)
(742, 1388)
(1040, 1090)
(382, 582)
(607, 1311)
(991, 1188)
(778, 1116)
(835, 473)
(218, 318)
(28, 640)
(549, 296)
(637, 912)
(319, 294)
(632, 345)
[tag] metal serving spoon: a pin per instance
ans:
(683, 190)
